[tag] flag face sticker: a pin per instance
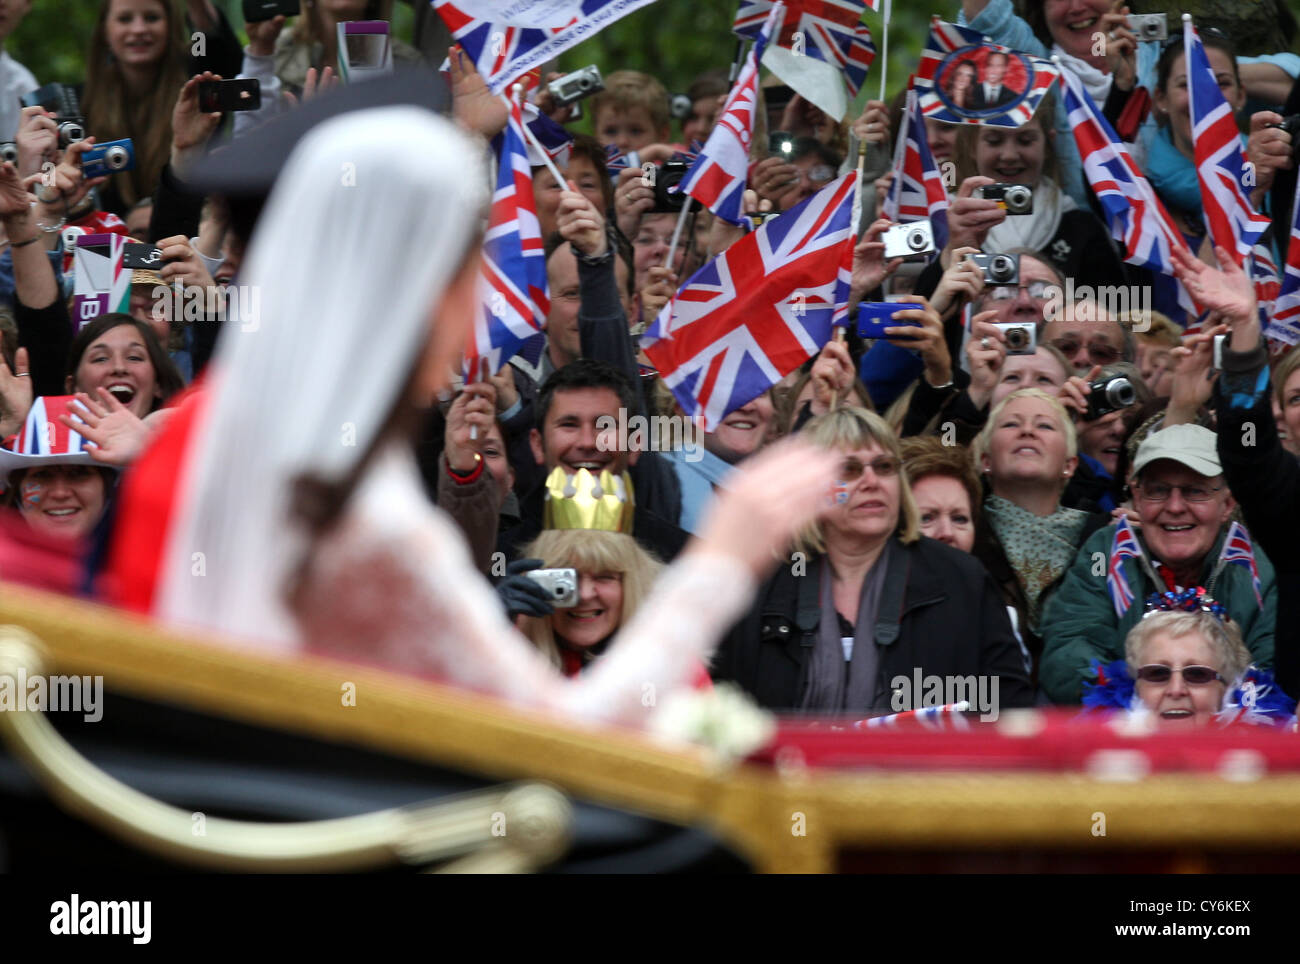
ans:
(503, 51)
(965, 79)
(514, 300)
(1220, 158)
(823, 50)
(760, 309)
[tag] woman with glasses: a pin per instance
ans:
(1184, 539)
(867, 601)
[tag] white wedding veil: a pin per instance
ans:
(372, 215)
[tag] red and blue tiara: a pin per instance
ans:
(1192, 600)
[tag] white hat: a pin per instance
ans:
(1190, 445)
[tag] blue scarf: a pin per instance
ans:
(1171, 174)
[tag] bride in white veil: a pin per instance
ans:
(301, 524)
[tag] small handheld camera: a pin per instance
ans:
(781, 144)
(573, 87)
(669, 174)
(1109, 395)
(905, 240)
(999, 269)
(61, 101)
(1014, 198)
(1291, 124)
(8, 152)
(223, 96)
(111, 158)
(1021, 339)
(875, 316)
(679, 106)
(561, 585)
(1149, 26)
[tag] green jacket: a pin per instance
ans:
(1080, 625)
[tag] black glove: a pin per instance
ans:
(523, 596)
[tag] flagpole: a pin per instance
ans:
(518, 90)
(884, 48)
(677, 232)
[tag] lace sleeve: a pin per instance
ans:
(395, 586)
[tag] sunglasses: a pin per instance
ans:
(1038, 290)
(1098, 352)
(851, 469)
(1192, 675)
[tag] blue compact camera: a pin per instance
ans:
(111, 158)
(875, 316)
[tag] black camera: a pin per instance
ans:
(1109, 395)
(61, 101)
(257, 11)
(668, 175)
(781, 144)
(1016, 198)
(1291, 125)
(999, 269)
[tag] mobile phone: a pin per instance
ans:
(230, 95)
(875, 316)
(256, 11)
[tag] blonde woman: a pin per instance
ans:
(867, 599)
(614, 577)
(1026, 539)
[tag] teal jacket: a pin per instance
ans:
(1080, 625)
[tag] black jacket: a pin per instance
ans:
(952, 623)
(1265, 481)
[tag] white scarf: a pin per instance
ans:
(1032, 231)
(1097, 83)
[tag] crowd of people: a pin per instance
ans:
(1119, 496)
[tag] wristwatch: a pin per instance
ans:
(593, 260)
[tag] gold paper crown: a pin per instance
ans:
(583, 501)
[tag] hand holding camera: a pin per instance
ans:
(918, 326)
(970, 218)
(71, 181)
(772, 177)
(962, 281)
(986, 353)
(263, 34)
(580, 223)
(1271, 146)
(1121, 46)
(522, 595)
(191, 127)
(1074, 393)
(36, 141)
(660, 290)
(632, 198)
(870, 268)
(1195, 370)
(1012, 198)
(180, 262)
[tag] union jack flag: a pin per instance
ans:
(1220, 159)
(1239, 550)
(760, 309)
(1124, 546)
(1285, 324)
(548, 137)
(948, 38)
(826, 34)
(917, 191)
(514, 301)
(717, 178)
(1134, 211)
(504, 51)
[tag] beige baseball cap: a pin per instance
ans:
(1190, 445)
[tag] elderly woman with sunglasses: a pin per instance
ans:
(1185, 539)
(867, 600)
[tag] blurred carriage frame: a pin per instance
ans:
(101, 284)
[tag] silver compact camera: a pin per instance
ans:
(1149, 26)
(1015, 198)
(561, 585)
(905, 240)
(573, 87)
(1021, 339)
(999, 269)
(9, 152)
